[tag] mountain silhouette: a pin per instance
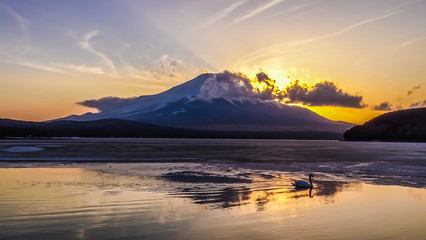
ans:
(220, 101)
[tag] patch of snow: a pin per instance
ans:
(22, 149)
(182, 110)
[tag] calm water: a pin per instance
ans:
(77, 203)
(211, 189)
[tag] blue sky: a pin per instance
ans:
(69, 51)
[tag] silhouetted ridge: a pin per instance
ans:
(106, 128)
(402, 125)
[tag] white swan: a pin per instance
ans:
(304, 184)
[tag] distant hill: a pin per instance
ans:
(120, 128)
(402, 125)
(98, 128)
(222, 101)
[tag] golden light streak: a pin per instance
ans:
(351, 115)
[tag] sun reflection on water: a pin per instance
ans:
(50, 202)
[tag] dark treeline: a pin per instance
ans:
(107, 128)
(402, 125)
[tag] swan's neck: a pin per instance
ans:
(310, 181)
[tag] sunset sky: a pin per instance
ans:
(54, 54)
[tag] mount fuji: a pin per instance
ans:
(224, 101)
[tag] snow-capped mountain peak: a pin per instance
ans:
(212, 101)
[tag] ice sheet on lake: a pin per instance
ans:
(23, 149)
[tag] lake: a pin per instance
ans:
(211, 189)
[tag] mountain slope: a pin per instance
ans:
(223, 101)
(402, 125)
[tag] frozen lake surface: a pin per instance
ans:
(371, 162)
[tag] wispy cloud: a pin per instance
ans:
(81, 68)
(282, 48)
(257, 11)
(343, 30)
(411, 41)
(23, 23)
(58, 67)
(292, 9)
(413, 89)
(38, 66)
(418, 104)
(224, 13)
(87, 44)
(383, 106)
(295, 6)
